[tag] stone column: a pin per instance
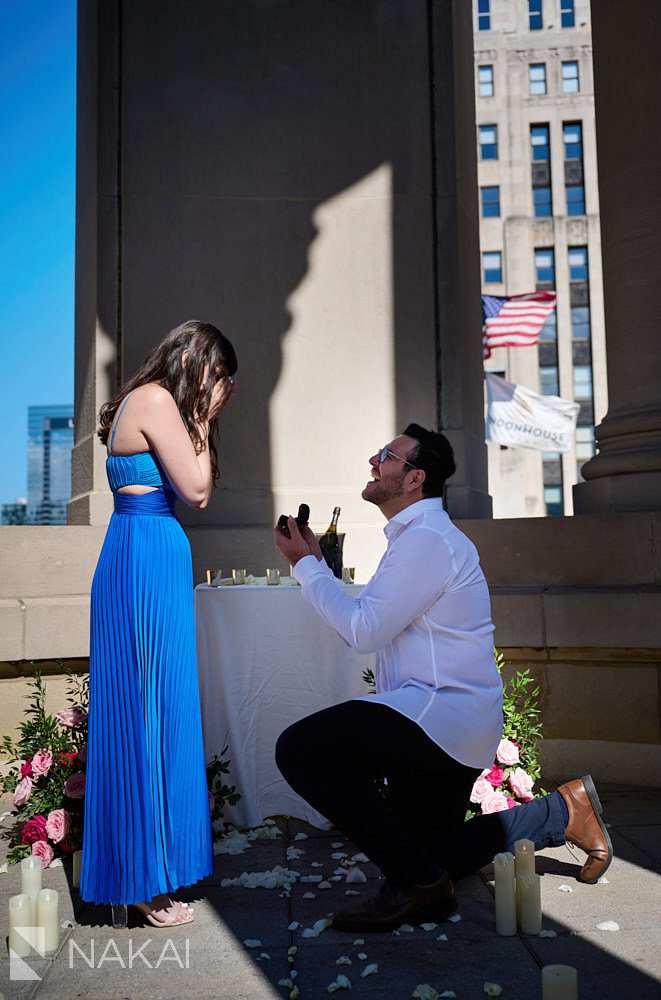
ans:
(457, 255)
(625, 475)
(98, 258)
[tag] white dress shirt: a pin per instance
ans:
(426, 614)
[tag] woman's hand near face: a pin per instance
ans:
(221, 394)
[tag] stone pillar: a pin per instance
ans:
(625, 475)
(460, 372)
(98, 262)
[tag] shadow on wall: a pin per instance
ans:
(238, 122)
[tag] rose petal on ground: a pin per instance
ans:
(359, 941)
(450, 994)
(3, 869)
(265, 956)
(338, 855)
(294, 925)
(315, 879)
(337, 843)
(370, 970)
(355, 876)
(492, 989)
(336, 878)
(316, 864)
(602, 881)
(343, 960)
(428, 927)
(295, 993)
(341, 983)
(424, 991)
(442, 937)
(351, 892)
(294, 853)
(360, 857)
(321, 925)
(286, 982)
(252, 943)
(362, 956)
(57, 863)
(301, 836)
(455, 918)
(608, 925)
(309, 895)
(565, 888)
(324, 885)
(406, 929)
(547, 934)
(292, 951)
(66, 925)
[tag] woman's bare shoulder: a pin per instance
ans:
(153, 395)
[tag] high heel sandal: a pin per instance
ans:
(183, 915)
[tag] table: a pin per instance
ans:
(266, 660)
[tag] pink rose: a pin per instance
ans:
(481, 788)
(510, 802)
(57, 825)
(22, 792)
(70, 717)
(41, 762)
(42, 849)
(495, 776)
(74, 786)
(34, 829)
(82, 753)
(26, 769)
(521, 783)
(507, 753)
(495, 802)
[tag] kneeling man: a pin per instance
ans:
(436, 719)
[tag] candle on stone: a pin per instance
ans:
(559, 982)
(503, 867)
(47, 917)
(524, 864)
(20, 915)
(531, 903)
(31, 871)
(77, 862)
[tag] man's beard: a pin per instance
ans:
(379, 492)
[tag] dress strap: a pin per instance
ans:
(112, 436)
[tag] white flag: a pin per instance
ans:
(521, 418)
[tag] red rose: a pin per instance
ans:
(26, 768)
(495, 776)
(34, 829)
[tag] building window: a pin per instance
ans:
(548, 380)
(574, 181)
(539, 139)
(582, 382)
(485, 80)
(567, 18)
(483, 15)
(541, 171)
(578, 263)
(580, 323)
(490, 197)
(537, 78)
(549, 332)
(545, 268)
(492, 267)
(488, 142)
(553, 501)
(584, 448)
(570, 83)
(535, 15)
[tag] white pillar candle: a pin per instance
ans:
(559, 982)
(503, 867)
(20, 915)
(531, 903)
(47, 917)
(77, 862)
(524, 864)
(31, 871)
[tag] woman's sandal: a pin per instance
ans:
(182, 915)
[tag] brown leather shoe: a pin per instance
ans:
(585, 828)
(395, 905)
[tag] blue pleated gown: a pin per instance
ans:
(147, 828)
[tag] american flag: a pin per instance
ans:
(514, 320)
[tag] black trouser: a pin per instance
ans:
(414, 827)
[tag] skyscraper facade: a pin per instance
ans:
(50, 440)
(539, 226)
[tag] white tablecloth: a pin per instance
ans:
(266, 660)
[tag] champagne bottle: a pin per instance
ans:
(329, 543)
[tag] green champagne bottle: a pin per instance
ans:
(329, 543)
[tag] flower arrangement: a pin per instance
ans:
(48, 781)
(511, 779)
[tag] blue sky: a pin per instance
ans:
(37, 206)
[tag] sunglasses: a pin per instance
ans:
(385, 452)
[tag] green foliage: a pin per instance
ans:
(368, 677)
(522, 716)
(223, 794)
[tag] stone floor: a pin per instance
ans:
(210, 959)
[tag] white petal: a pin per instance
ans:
(355, 876)
(252, 943)
(450, 994)
(492, 989)
(3, 869)
(425, 992)
(294, 925)
(340, 871)
(337, 843)
(338, 855)
(336, 878)
(311, 878)
(324, 885)
(351, 892)
(547, 934)
(292, 951)
(295, 993)
(265, 956)
(359, 941)
(301, 836)
(608, 925)
(565, 888)
(321, 925)
(341, 983)
(66, 925)
(293, 973)
(309, 895)
(308, 933)
(369, 970)
(428, 927)
(57, 863)
(406, 929)
(316, 864)
(4, 815)
(442, 937)
(285, 982)
(343, 960)
(455, 918)
(362, 956)
(360, 857)
(602, 881)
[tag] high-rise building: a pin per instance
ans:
(539, 226)
(50, 440)
(14, 513)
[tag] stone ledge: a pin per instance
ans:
(619, 763)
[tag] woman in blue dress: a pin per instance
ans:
(147, 829)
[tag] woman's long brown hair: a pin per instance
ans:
(205, 345)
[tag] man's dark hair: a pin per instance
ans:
(434, 456)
